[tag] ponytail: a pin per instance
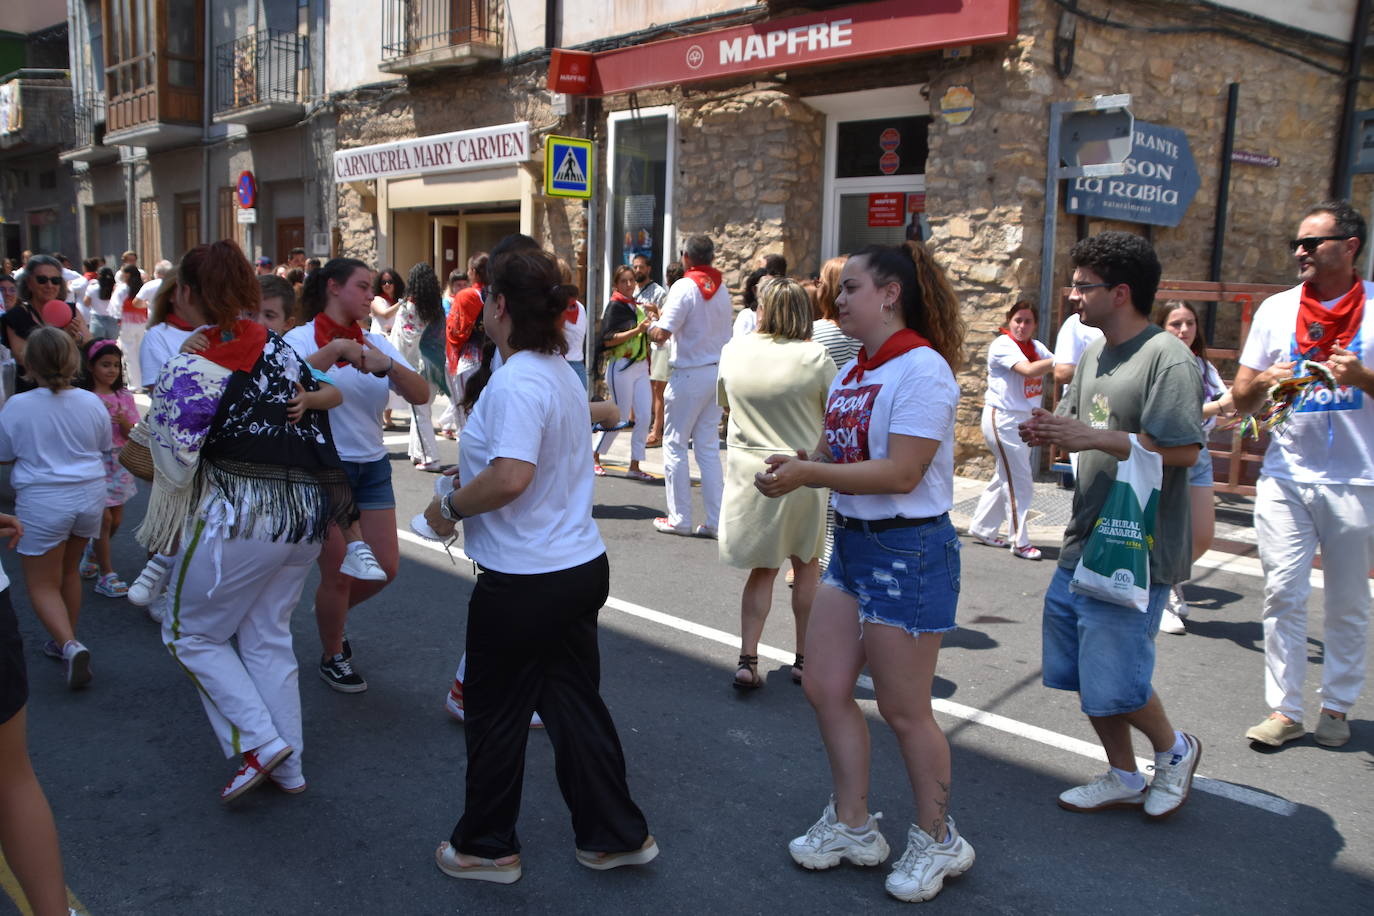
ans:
(315, 293)
(929, 306)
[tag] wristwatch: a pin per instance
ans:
(447, 511)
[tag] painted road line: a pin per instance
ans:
(1262, 800)
(10, 883)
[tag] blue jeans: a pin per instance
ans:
(1104, 651)
(901, 577)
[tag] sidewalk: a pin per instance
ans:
(1049, 514)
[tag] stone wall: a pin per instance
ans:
(985, 180)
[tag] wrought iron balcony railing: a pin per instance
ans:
(438, 31)
(260, 67)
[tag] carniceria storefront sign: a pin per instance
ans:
(1160, 181)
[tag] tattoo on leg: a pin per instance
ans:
(937, 826)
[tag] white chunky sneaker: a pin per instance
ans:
(921, 871)
(1105, 792)
(150, 581)
(1173, 780)
(828, 841)
(360, 563)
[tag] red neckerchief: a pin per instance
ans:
(238, 348)
(707, 279)
(899, 343)
(177, 322)
(570, 313)
(1027, 346)
(326, 329)
(1320, 329)
(390, 300)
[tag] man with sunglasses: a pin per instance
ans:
(1316, 486)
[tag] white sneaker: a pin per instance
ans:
(257, 765)
(360, 563)
(1177, 603)
(1105, 792)
(150, 581)
(1173, 779)
(1169, 622)
(158, 609)
(77, 661)
(828, 841)
(921, 871)
(453, 704)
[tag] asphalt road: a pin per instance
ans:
(133, 772)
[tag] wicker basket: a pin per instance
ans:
(135, 456)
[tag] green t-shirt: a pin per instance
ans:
(1148, 384)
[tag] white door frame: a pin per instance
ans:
(894, 101)
(669, 240)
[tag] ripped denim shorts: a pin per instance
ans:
(901, 577)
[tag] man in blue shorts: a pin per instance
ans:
(1137, 379)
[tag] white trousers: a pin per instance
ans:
(131, 335)
(1008, 495)
(690, 413)
(629, 385)
(424, 445)
(1291, 520)
(251, 696)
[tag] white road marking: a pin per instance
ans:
(1262, 800)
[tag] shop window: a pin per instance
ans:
(640, 176)
(880, 147)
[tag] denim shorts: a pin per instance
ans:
(371, 482)
(1200, 474)
(901, 577)
(1104, 651)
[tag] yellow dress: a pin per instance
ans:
(775, 389)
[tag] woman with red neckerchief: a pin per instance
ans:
(246, 482)
(464, 335)
(1017, 366)
(366, 369)
(887, 453)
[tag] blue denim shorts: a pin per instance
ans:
(1104, 651)
(1200, 474)
(902, 577)
(371, 482)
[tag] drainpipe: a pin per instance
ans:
(1340, 179)
(207, 96)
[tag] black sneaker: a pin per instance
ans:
(338, 673)
(347, 651)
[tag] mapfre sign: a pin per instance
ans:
(481, 148)
(846, 33)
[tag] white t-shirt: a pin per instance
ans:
(1330, 438)
(914, 394)
(576, 336)
(76, 288)
(106, 308)
(357, 422)
(160, 344)
(148, 291)
(1006, 389)
(533, 410)
(746, 322)
(1074, 337)
(55, 438)
(119, 299)
(700, 327)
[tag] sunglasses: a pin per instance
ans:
(1310, 243)
(1084, 287)
(42, 278)
(388, 282)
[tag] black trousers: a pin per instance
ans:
(532, 646)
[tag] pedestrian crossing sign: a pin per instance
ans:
(567, 167)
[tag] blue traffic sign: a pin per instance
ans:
(567, 167)
(1160, 181)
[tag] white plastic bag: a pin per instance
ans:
(1115, 565)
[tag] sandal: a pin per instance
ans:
(446, 857)
(749, 664)
(637, 474)
(797, 668)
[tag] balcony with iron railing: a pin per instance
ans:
(260, 79)
(35, 111)
(419, 35)
(88, 125)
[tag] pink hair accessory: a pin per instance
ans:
(95, 347)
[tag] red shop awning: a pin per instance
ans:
(848, 33)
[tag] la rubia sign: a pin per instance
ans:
(1159, 182)
(567, 167)
(881, 29)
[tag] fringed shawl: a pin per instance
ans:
(213, 431)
